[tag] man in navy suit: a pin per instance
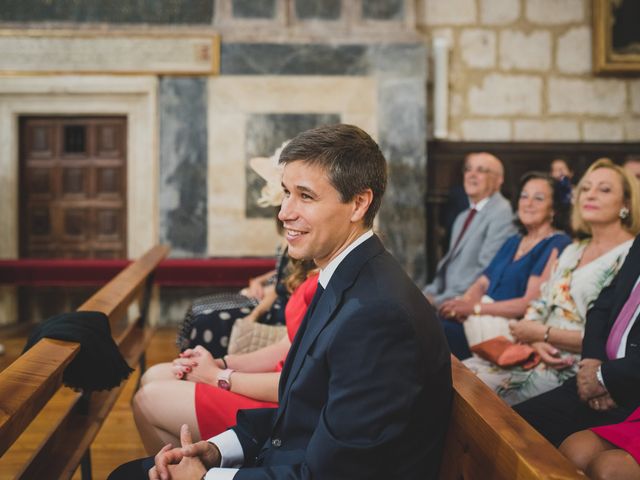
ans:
(366, 388)
(607, 387)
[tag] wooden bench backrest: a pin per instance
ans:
(29, 382)
(488, 440)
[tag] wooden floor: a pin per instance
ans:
(118, 440)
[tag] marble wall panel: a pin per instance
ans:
(292, 59)
(252, 9)
(240, 104)
(318, 9)
(280, 74)
(402, 128)
(383, 9)
(183, 165)
(113, 11)
(264, 134)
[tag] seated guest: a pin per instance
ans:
(560, 169)
(366, 390)
(210, 319)
(632, 165)
(513, 277)
(209, 406)
(563, 173)
(477, 232)
(609, 451)
(606, 389)
(554, 323)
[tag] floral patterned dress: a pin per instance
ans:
(563, 303)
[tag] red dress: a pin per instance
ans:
(625, 435)
(216, 408)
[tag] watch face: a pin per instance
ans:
(223, 384)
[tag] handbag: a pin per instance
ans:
(248, 335)
(209, 320)
(505, 353)
(478, 328)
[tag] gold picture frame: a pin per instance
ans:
(607, 58)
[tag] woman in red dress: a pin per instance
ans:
(164, 403)
(609, 451)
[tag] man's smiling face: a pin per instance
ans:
(318, 224)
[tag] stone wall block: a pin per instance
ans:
(449, 12)
(486, 130)
(546, 130)
(598, 97)
(507, 95)
(478, 48)
(634, 88)
(499, 12)
(632, 131)
(555, 12)
(521, 51)
(574, 51)
(602, 131)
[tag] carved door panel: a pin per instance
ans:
(73, 187)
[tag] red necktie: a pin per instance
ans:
(622, 322)
(467, 221)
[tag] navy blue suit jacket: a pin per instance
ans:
(366, 390)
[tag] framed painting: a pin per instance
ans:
(616, 36)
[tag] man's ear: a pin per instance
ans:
(361, 203)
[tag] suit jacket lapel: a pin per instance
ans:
(627, 278)
(341, 280)
(477, 220)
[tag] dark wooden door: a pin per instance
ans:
(73, 187)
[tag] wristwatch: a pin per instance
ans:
(224, 379)
(477, 309)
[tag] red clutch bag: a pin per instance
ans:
(505, 353)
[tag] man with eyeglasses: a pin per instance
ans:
(478, 232)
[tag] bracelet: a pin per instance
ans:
(546, 335)
(477, 309)
(224, 362)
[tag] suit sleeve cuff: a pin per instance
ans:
(231, 453)
(221, 474)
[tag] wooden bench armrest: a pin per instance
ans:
(114, 298)
(27, 385)
(488, 439)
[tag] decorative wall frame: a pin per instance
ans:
(108, 52)
(616, 36)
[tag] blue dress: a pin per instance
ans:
(508, 279)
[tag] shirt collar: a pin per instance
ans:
(480, 205)
(327, 272)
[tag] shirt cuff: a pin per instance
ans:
(600, 378)
(221, 474)
(231, 453)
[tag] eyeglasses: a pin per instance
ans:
(481, 170)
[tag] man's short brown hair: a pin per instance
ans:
(352, 159)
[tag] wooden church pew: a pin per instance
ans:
(488, 440)
(28, 383)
